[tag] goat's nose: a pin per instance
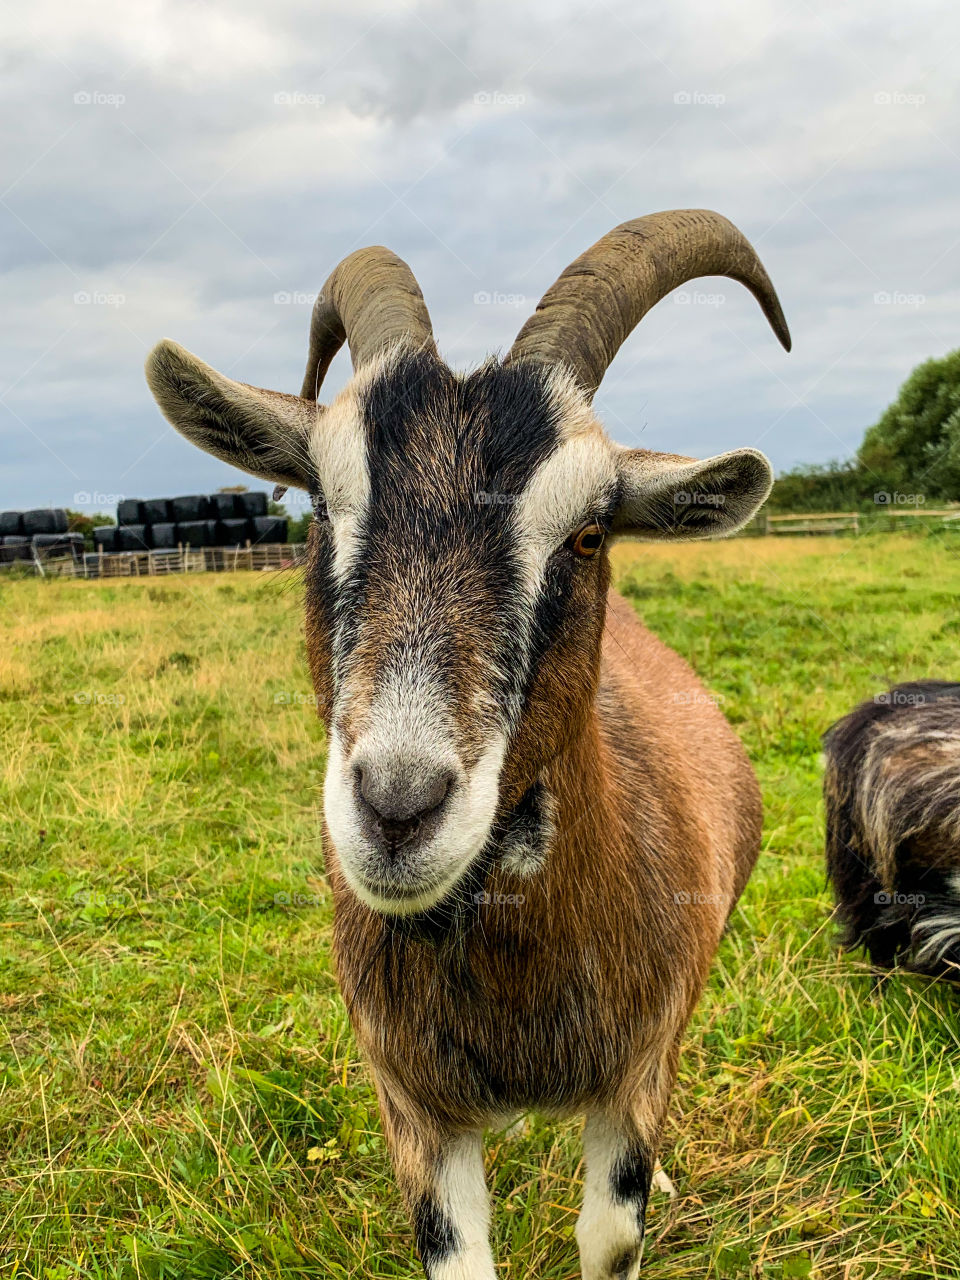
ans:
(398, 806)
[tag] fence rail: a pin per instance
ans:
(882, 520)
(149, 564)
(814, 522)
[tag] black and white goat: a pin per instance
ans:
(892, 792)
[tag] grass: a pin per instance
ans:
(181, 1095)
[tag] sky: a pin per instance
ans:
(195, 170)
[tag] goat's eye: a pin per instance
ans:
(588, 540)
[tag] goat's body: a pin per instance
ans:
(568, 989)
(537, 820)
(892, 793)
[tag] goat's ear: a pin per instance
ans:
(668, 497)
(264, 432)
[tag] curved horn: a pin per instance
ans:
(371, 300)
(582, 319)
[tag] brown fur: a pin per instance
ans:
(580, 994)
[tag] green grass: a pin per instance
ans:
(181, 1094)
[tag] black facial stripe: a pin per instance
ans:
(320, 594)
(448, 457)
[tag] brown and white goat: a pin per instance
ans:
(537, 821)
(892, 795)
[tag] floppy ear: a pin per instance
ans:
(668, 497)
(263, 432)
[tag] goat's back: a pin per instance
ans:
(892, 799)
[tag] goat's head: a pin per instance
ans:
(457, 574)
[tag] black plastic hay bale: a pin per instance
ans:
(42, 520)
(58, 544)
(193, 533)
(254, 504)
(105, 537)
(234, 533)
(163, 536)
(128, 511)
(134, 537)
(11, 524)
(15, 547)
(270, 529)
(155, 510)
(226, 506)
(61, 523)
(190, 508)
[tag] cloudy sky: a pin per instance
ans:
(194, 170)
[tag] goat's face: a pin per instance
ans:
(457, 575)
(455, 606)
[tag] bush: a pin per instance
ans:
(831, 486)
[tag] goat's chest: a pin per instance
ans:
(468, 1033)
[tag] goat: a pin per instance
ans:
(892, 796)
(536, 820)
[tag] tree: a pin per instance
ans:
(77, 522)
(915, 447)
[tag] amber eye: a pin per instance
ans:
(588, 540)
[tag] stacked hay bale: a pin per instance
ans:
(144, 524)
(192, 520)
(41, 533)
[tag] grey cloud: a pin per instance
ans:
(201, 196)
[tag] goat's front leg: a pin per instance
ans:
(442, 1180)
(620, 1161)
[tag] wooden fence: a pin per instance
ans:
(882, 520)
(149, 564)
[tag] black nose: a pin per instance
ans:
(399, 808)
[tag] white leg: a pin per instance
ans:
(611, 1224)
(453, 1228)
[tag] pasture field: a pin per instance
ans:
(181, 1095)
